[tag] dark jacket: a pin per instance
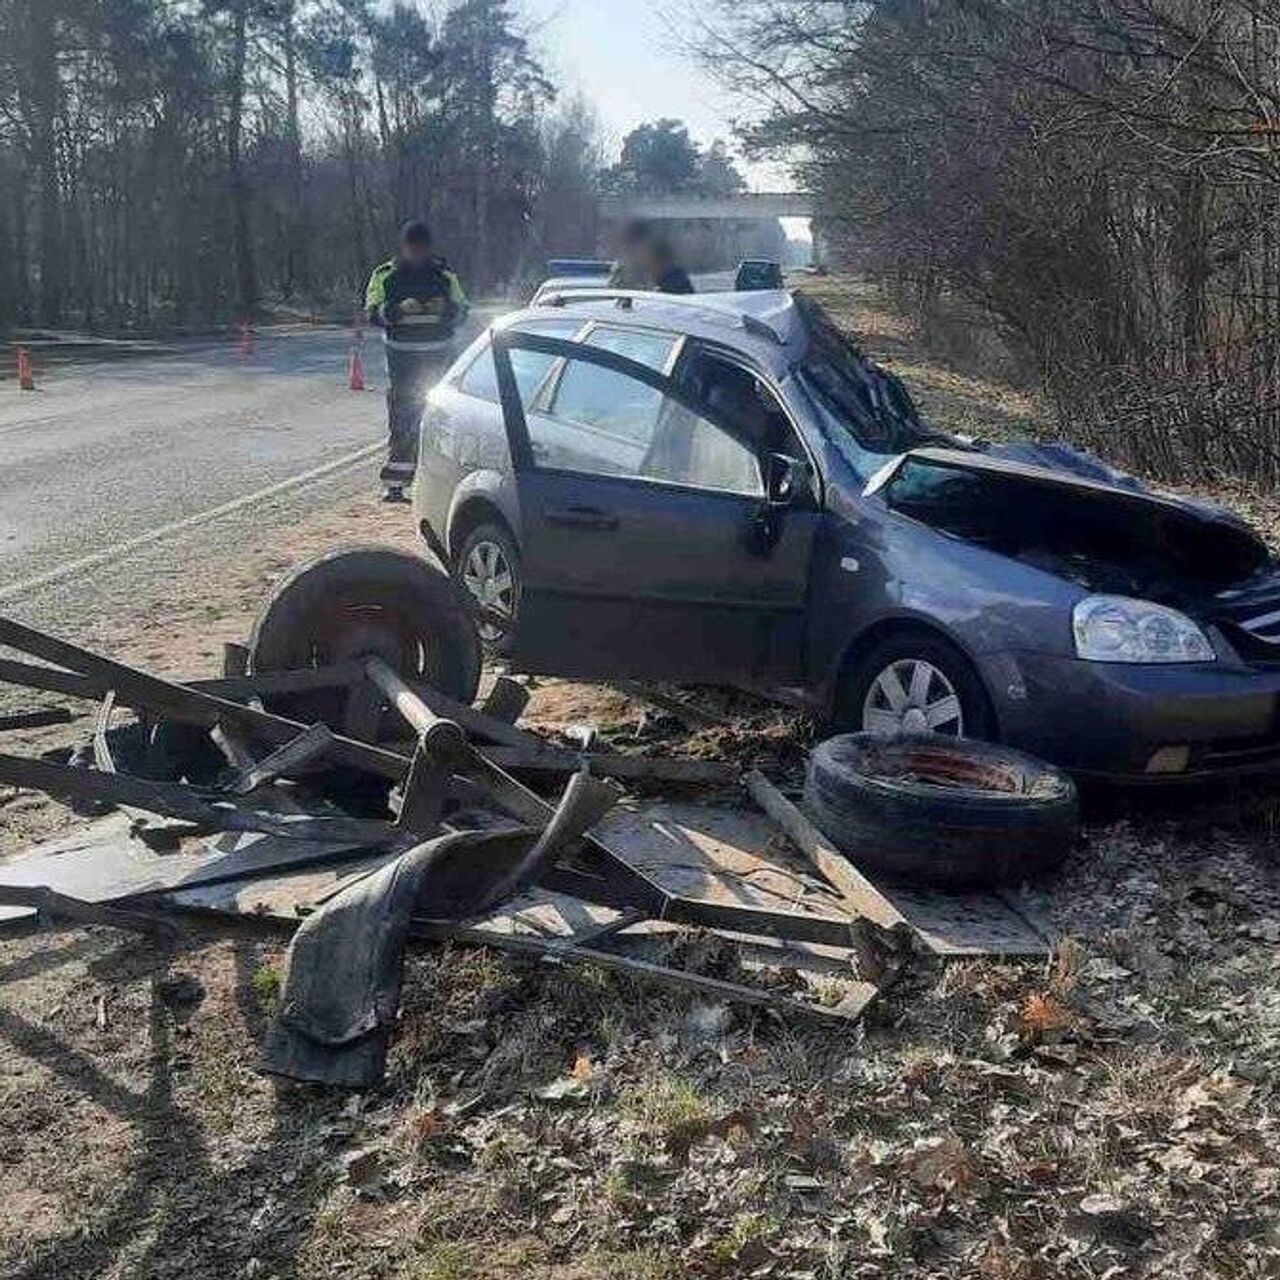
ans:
(415, 305)
(674, 280)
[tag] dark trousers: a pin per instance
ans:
(410, 376)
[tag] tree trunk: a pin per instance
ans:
(43, 91)
(350, 138)
(297, 256)
(241, 196)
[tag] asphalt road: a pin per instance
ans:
(104, 454)
(116, 473)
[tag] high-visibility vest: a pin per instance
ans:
(417, 307)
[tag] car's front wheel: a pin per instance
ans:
(913, 682)
(488, 565)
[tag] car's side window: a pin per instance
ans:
(606, 423)
(530, 367)
(641, 345)
(593, 396)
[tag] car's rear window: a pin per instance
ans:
(530, 367)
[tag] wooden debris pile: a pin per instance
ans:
(288, 796)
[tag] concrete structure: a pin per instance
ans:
(750, 204)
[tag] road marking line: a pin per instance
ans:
(107, 554)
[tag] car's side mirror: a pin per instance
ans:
(783, 479)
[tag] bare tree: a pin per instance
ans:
(1100, 175)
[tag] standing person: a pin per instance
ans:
(418, 304)
(647, 261)
(665, 271)
(629, 268)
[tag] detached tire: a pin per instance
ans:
(359, 601)
(932, 810)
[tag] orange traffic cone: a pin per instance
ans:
(355, 371)
(26, 378)
(246, 338)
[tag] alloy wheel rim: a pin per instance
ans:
(912, 696)
(488, 576)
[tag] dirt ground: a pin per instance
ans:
(1110, 1114)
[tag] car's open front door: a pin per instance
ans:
(650, 543)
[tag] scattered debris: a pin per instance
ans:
(393, 818)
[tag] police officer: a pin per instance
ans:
(418, 303)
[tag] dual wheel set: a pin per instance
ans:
(914, 794)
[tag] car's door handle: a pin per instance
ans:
(583, 518)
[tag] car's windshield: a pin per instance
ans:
(872, 405)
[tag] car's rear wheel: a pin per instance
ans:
(488, 565)
(913, 682)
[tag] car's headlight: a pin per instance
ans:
(1117, 629)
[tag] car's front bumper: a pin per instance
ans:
(1148, 723)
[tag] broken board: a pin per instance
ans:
(104, 861)
(739, 855)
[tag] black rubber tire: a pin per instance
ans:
(496, 533)
(356, 600)
(949, 812)
(903, 645)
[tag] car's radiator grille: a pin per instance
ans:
(1265, 627)
(1252, 624)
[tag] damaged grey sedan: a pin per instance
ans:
(725, 489)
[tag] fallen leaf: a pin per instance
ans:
(1096, 1205)
(565, 1089)
(426, 1123)
(1042, 1015)
(943, 1164)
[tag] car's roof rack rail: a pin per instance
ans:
(625, 299)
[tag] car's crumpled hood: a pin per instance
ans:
(1102, 531)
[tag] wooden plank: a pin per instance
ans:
(181, 702)
(611, 765)
(63, 907)
(40, 719)
(308, 747)
(505, 701)
(51, 680)
(859, 894)
(98, 861)
(281, 895)
(949, 924)
(957, 925)
(176, 800)
(607, 929)
(103, 861)
(266, 684)
(695, 716)
(76, 685)
(424, 792)
(556, 951)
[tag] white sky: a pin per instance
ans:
(628, 63)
